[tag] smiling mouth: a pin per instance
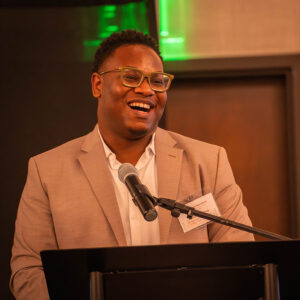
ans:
(145, 107)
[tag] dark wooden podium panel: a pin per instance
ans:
(237, 283)
(247, 116)
(192, 271)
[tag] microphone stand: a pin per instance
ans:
(271, 280)
(177, 208)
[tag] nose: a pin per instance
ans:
(145, 88)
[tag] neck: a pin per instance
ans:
(126, 150)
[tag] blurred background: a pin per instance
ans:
(236, 66)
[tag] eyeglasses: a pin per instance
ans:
(133, 77)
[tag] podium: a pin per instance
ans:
(233, 270)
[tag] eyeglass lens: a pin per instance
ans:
(133, 77)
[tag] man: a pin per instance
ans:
(73, 197)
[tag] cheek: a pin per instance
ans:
(162, 99)
(113, 97)
(112, 93)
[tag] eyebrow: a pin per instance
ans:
(143, 70)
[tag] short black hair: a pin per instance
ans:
(118, 39)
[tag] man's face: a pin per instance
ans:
(118, 106)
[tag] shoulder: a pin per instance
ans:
(66, 153)
(190, 146)
(70, 148)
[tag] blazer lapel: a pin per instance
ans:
(94, 164)
(168, 160)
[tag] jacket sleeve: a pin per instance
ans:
(34, 232)
(228, 197)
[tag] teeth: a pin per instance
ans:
(138, 104)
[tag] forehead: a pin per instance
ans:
(139, 56)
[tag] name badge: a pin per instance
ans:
(205, 204)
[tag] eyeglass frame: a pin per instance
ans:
(121, 69)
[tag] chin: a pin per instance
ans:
(140, 132)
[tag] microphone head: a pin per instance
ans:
(125, 170)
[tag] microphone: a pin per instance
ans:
(139, 192)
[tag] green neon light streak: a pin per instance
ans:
(175, 40)
(110, 8)
(163, 18)
(173, 28)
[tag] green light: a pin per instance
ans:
(163, 17)
(173, 26)
(109, 15)
(112, 28)
(177, 40)
(91, 43)
(104, 35)
(110, 8)
(173, 29)
(164, 33)
(114, 18)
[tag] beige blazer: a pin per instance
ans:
(69, 202)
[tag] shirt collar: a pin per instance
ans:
(115, 164)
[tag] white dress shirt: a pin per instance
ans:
(137, 230)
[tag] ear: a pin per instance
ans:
(96, 85)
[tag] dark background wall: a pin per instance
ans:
(248, 116)
(45, 99)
